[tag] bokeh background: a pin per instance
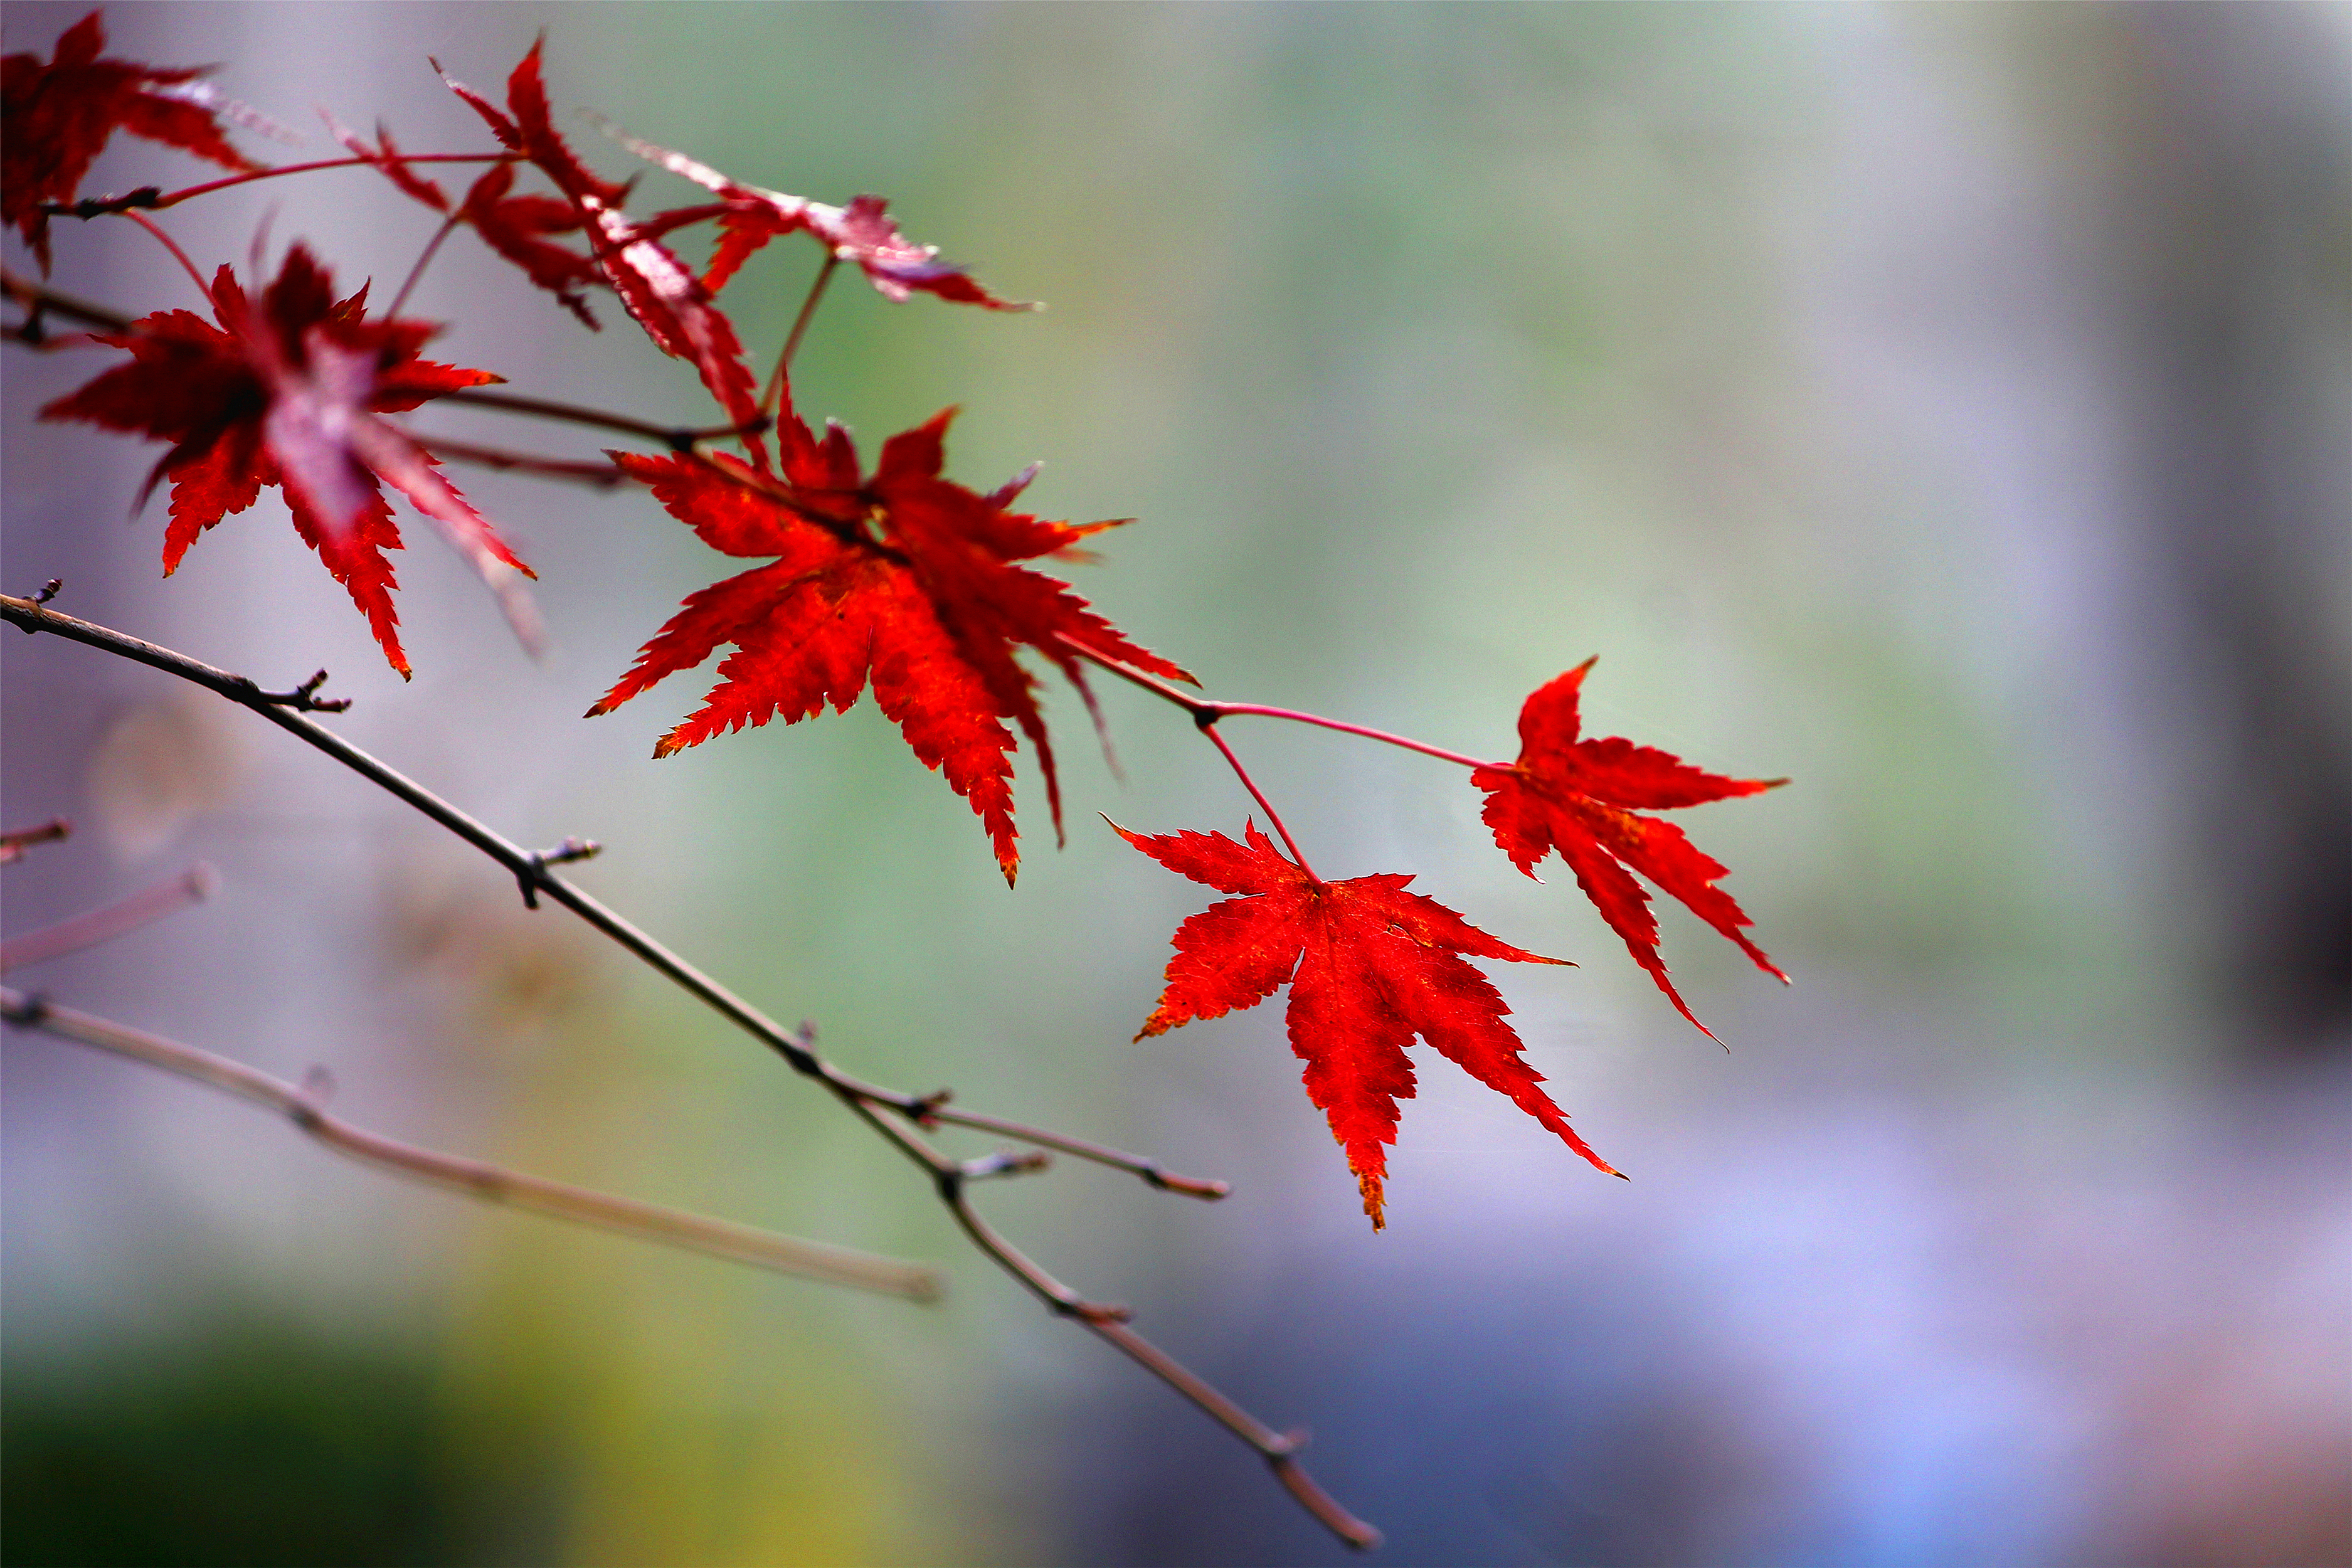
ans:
(1945, 407)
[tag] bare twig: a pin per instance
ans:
(678, 438)
(604, 475)
(491, 1183)
(13, 843)
(192, 886)
(949, 1176)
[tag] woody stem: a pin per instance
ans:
(1209, 728)
(772, 397)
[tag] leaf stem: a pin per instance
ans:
(409, 283)
(679, 437)
(1207, 710)
(1209, 727)
(173, 246)
(174, 198)
(771, 398)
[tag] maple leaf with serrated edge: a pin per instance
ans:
(903, 578)
(55, 116)
(286, 391)
(1583, 799)
(516, 227)
(861, 233)
(1370, 966)
(658, 290)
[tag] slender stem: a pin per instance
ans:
(798, 1046)
(1254, 709)
(1209, 728)
(1135, 1164)
(409, 283)
(41, 297)
(771, 398)
(175, 197)
(1207, 710)
(17, 840)
(491, 1183)
(604, 476)
(679, 437)
(173, 246)
(192, 886)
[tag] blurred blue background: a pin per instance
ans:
(1943, 407)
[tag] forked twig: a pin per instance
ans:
(491, 1183)
(949, 1176)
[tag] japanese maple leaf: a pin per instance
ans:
(516, 227)
(658, 290)
(1583, 799)
(902, 578)
(55, 116)
(286, 390)
(861, 233)
(1370, 966)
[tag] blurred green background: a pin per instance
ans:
(1943, 407)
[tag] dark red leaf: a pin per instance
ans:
(55, 116)
(861, 233)
(1370, 966)
(1582, 798)
(287, 390)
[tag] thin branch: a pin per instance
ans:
(491, 1183)
(1209, 727)
(423, 259)
(773, 396)
(147, 906)
(153, 200)
(604, 476)
(177, 253)
(678, 438)
(13, 843)
(798, 1048)
(1118, 1160)
(1207, 710)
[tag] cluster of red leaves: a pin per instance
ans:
(902, 577)
(286, 390)
(60, 114)
(1371, 966)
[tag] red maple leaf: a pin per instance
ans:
(286, 391)
(661, 291)
(516, 227)
(1584, 798)
(861, 232)
(902, 577)
(1369, 965)
(55, 116)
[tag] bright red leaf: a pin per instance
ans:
(1582, 798)
(861, 233)
(55, 116)
(902, 577)
(1369, 965)
(661, 291)
(286, 391)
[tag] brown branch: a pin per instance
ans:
(490, 1184)
(13, 843)
(797, 1046)
(192, 886)
(604, 476)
